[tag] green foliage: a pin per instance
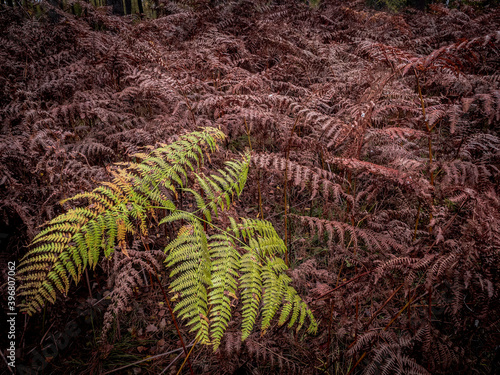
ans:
(209, 266)
(314, 4)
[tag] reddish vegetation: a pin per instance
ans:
(382, 130)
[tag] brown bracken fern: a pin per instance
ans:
(385, 126)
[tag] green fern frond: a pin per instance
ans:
(275, 285)
(262, 236)
(259, 276)
(190, 259)
(208, 272)
(177, 215)
(225, 266)
(266, 244)
(114, 209)
(219, 189)
(251, 285)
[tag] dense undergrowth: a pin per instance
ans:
(375, 153)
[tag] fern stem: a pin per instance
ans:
(171, 364)
(7, 363)
(382, 307)
(145, 360)
(187, 357)
(173, 316)
(248, 134)
(357, 363)
(341, 285)
(278, 355)
(429, 311)
(429, 131)
(385, 329)
(175, 323)
(202, 193)
(88, 283)
(449, 223)
(258, 170)
(285, 189)
(322, 158)
(330, 321)
(416, 221)
(93, 328)
(329, 339)
(399, 313)
(260, 195)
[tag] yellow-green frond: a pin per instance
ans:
(189, 258)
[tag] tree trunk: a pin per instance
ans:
(117, 6)
(141, 9)
(128, 6)
(420, 4)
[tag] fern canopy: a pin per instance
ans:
(210, 268)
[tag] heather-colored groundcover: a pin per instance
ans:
(249, 187)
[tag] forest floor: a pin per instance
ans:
(375, 154)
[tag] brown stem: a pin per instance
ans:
(410, 301)
(285, 185)
(260, 196)
(258, 171)
(357, 318)
(385, 329)
(248, 134)
(382, 307)
(175, 323)
(399, 313)
(322, 159)
(429, 311)
(330, 322)
(145, 360)
(329, 338)
(88, 283)
(449, 223)
(349, 180)
(429, 131)
(422, 102)
(187, 358)
(408, 323)
(146, 246)
(342, 285)
(7, 363)
(357, 363)
(431, 173)
(188, 103)
(416, 221)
